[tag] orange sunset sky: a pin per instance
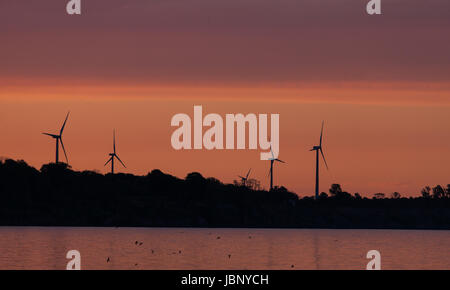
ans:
(381, 83)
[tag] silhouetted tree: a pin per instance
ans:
(60, 196)
(56, 168)
(335, 189)
(438, 192)
(426, 192)
(323, 195)
(338, 194)
(195, 177)
(253, 184)
(395, 195)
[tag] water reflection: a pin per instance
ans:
(140, 248)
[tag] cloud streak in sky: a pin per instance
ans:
(242, 42)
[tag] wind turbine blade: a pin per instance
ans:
(64, 150)
(273, 157)
(280, 160)
(64, 124)
(48, 134)
(321, 134)
(120, 161)
(323, 156)
(248, 173)
(241, 177)
(109, 160)
(114, 141)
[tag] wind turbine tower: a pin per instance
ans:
(317, 149)
(272, 161)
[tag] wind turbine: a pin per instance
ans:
(59, 139)
(317, 149)
(111, 159)
(272, 160)
(244, 179)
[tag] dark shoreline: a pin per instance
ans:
(58, 196)
(218, 228)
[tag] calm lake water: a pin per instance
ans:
(182, 248)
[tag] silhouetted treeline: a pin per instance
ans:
(59, 196)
